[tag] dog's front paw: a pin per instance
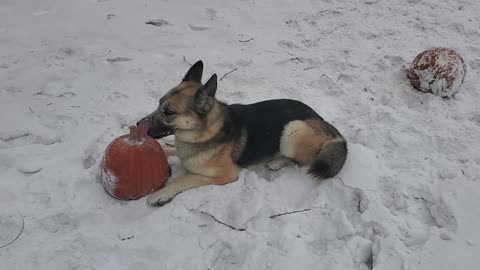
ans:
(160, 198)
(169, 150)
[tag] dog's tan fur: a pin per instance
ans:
(206, 162)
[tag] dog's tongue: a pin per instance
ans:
(143, 129)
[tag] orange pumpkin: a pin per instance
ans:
(133, 167)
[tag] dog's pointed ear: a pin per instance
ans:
(205, 96)
(194, 74)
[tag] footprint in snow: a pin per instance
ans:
(198, 28)
(293, 24)
(57, 121)
(60, 221)
(475, 119)
(20, 138)
(211, 12)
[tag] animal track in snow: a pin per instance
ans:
(475, 119)
(56, 121)
(115, 95)
(60, 221)
(293, 24)
(211, 12)
(26, 137)
(287, 44)
(198, 28)
(418, 211)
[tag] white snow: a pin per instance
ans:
(407, 197)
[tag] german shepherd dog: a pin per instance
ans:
(213, 139)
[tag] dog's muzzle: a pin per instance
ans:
(148, 126)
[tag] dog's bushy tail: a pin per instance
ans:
(330, 159)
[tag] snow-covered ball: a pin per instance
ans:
(440, 71)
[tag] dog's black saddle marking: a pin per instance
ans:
(264, 123)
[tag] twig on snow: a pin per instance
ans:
(119, 59)
(158, 22)
(125, 238)
(246, 40)
(18, 235)
(185, 60)
(228, 73)
(292, 212)
(14, 137)
(323, 75)
(223, 223)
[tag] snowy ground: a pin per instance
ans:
(73, 77)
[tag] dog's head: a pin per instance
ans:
(185, 109)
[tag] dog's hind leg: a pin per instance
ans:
(314, 142)
(279, 163)
(301, 142)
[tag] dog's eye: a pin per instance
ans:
(168, 112)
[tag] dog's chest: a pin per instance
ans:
(195, 156)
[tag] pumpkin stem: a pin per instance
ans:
(134, 136)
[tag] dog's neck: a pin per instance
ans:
(213, 126)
